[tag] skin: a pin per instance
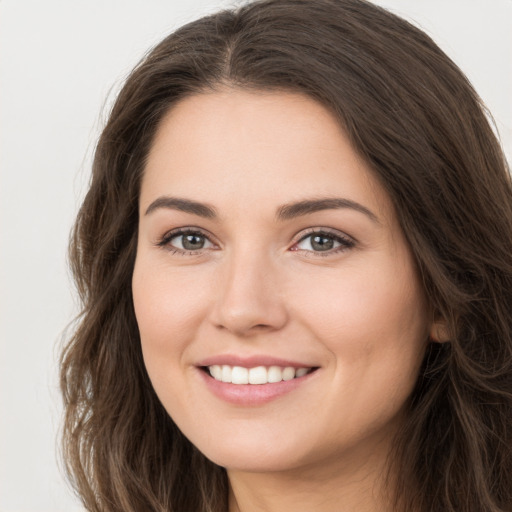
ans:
(259, 286)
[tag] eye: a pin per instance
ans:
(319, 241)
(186, 241)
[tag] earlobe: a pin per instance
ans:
(439, 332)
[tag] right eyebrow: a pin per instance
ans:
(184, 205)
(307, 206)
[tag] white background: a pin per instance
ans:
(59, 61)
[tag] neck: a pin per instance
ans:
(338, 486)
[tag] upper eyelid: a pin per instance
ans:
(187, 230)
(300, 236)
(297, 237)
(165, 240)
(323, 230)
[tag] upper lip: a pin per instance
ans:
(252, 361)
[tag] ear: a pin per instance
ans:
(439, 332)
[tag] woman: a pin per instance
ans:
(295, 264)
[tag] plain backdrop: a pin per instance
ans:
(61, 64)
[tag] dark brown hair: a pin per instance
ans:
(415, 119)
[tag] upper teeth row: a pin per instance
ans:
(257, 375)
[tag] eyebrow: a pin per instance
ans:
(284, 212)
(292, 210)
(183, 205)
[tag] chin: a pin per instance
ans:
(253, 455)
(255, 462)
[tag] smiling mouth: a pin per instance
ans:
(257, 375)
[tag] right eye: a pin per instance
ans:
(186, 241)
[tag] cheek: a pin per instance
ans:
(375, 327)
(164, 296)
(373, 323)
(169, 306)
(365, 303)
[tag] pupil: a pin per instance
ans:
(193, 242)
(322, 243)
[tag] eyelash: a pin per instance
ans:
(344, 241)
(165, 241)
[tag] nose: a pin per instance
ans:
(249, 299)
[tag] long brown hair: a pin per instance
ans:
(418, 123)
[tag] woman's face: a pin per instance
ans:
(269, 252)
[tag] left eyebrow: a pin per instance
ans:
(183, 205)
(307, 206)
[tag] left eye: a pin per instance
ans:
(323, 242)
(189, 241)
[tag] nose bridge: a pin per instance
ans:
(249, 296)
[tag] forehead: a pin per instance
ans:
(256, 147)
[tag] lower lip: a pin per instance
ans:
(252, 394)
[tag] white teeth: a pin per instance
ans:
(226, 373)
(300, 372)
(275, 374)
(216, 371)
(239, 375)
(288, 373)
(256, 375)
